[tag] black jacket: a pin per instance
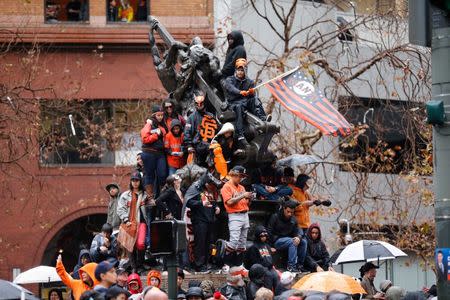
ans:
(193, 128)
(233, 292)
(199, 213)
(256, 274)
(317, 253)
(170, 202)
(234, 86)
(259, 252)
(237, 50)
(279, 227)
(83, 252)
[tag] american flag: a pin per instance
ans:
(296, 92)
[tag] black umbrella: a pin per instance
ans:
(12, 291)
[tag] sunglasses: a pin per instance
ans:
(168, 106)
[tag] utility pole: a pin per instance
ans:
(429, 20)
(440, 68)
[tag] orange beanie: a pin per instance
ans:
(156, 274)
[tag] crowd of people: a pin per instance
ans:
(224, 190)
(123, 11)
(73, 11)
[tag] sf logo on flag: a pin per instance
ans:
(208, 128)
(303, 88)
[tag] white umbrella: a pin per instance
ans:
(41, 274)
(367, 250)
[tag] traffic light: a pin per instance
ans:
(435, 112)
(167, 237)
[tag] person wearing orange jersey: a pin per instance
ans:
(236, 201)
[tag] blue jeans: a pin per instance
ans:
(282, 190)
(296, 254)
(155, 166)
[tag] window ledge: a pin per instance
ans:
(109, 33)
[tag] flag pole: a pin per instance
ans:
(281, 75)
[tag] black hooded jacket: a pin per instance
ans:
(256, 274)
(317, 253)
(259, 252)
(237, 50)
(200, 213)
(83, 252)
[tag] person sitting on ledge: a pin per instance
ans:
(279, 191)
(317, 256)
(240, 94)
(286, 235)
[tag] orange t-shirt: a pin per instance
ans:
(229, 190)
(301, 211)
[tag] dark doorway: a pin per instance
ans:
(71, 239)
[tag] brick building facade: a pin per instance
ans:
(94, 60)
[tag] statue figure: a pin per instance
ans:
(199, 69)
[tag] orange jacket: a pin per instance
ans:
(301, 211)
(173, 144)
(77, 286)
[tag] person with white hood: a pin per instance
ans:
(223, 148)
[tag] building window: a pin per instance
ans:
(66, 11)
(129, 118)
(393, 140)
(127, 11)
(80, 132)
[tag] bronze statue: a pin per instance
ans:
(200, 70)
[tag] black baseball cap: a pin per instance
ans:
(111, 185)
(238, 170)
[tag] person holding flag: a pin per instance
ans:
(240, 94)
